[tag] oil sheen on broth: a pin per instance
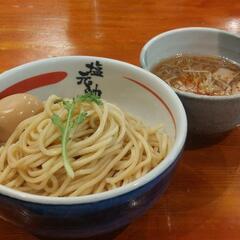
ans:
(206, 75)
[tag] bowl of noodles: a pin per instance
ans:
(88, 144)
(202, 65)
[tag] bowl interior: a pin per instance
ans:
(117, 83)
(133, 89)
(194, 41)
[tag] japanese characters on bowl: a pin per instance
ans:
(93, 71)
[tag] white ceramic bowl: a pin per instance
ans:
(206, 114)
(134, 90)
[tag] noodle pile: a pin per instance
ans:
(108, 150)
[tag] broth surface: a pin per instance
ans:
(206, 75)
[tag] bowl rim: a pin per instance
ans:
(162, 167)
(186, 29)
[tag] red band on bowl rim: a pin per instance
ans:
(155, 95)
(33, 82)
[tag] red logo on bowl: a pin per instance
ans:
(34, 82)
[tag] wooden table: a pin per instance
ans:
(203, 200)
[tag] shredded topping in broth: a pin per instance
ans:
(207, 75)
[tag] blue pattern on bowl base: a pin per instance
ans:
(84, 220)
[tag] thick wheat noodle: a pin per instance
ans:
(108, 150)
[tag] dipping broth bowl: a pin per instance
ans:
(207, 115)
(134, 90)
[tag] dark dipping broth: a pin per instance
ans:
(206, 75)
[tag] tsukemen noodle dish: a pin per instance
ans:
(206, 75)
(75, 146)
